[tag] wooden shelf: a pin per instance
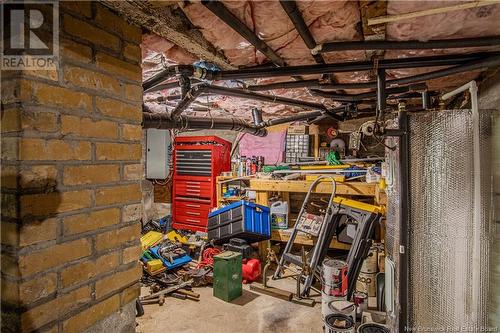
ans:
(302, 186)
(282, 236)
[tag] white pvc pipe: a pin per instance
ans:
(476, 255)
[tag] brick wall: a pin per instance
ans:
(71, 148)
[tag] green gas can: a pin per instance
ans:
(227, 276)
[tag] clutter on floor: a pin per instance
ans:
(239, 221)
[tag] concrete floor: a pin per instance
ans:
(252, 313)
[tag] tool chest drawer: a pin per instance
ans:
(190, 208)
(193, 188)
(193, 162)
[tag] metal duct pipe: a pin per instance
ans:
(300, 25)
(407, 45)
(257, 116)
(164, 121)
(218, 8)
(297, 117)
(311, 84)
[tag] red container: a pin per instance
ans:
(197, 160)
(250, 270)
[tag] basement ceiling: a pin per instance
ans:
(328, 21)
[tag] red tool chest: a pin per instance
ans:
(198, 160)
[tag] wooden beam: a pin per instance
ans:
(349, 188)
(400, 17)
(173, 25)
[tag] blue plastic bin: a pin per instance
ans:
(241, 219)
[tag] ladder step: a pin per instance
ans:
(292, 258)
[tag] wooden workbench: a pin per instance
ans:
(264, 188)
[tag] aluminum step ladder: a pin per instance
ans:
(318, 251)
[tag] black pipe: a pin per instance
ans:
(464, 67)
(353, 66)
(185, 84)
(262, 97)
(163, 86)
(381, 93)
(300, 25)
(368, 95)
(167, 73)
(407, 45)
(193, 93)
(164, 121)
(467, 67)
(297, 117)
(218, 8)
(426, 100)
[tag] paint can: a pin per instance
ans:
(373, 328)
(339, 323)
(366, 283)
(361, 301)
(325, 300)
(334, 277)
(343, 307)
(370, 262)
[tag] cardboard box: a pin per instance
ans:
(298, 129)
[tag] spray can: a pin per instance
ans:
(248, 167)
(260, 163)
(254, 165)
(241, 166)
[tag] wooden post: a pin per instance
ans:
(262, 198)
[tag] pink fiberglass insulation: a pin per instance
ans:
(328, 21)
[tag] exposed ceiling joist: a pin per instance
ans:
(406, 16)
(171, 24)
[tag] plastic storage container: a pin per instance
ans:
(279, 215)
(241, 219)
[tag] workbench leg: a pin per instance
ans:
(218, 190)
(262, 198)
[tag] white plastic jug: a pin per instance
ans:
(279, 215)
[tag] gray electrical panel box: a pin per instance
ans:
(158, 146)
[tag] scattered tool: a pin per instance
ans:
(167, 290)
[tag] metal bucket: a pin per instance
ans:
(373, 328)
(366, 283)
(370, 262)
(339, 323)
(343, 307)
(361, 301)
(325, 300)
(334, 277)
